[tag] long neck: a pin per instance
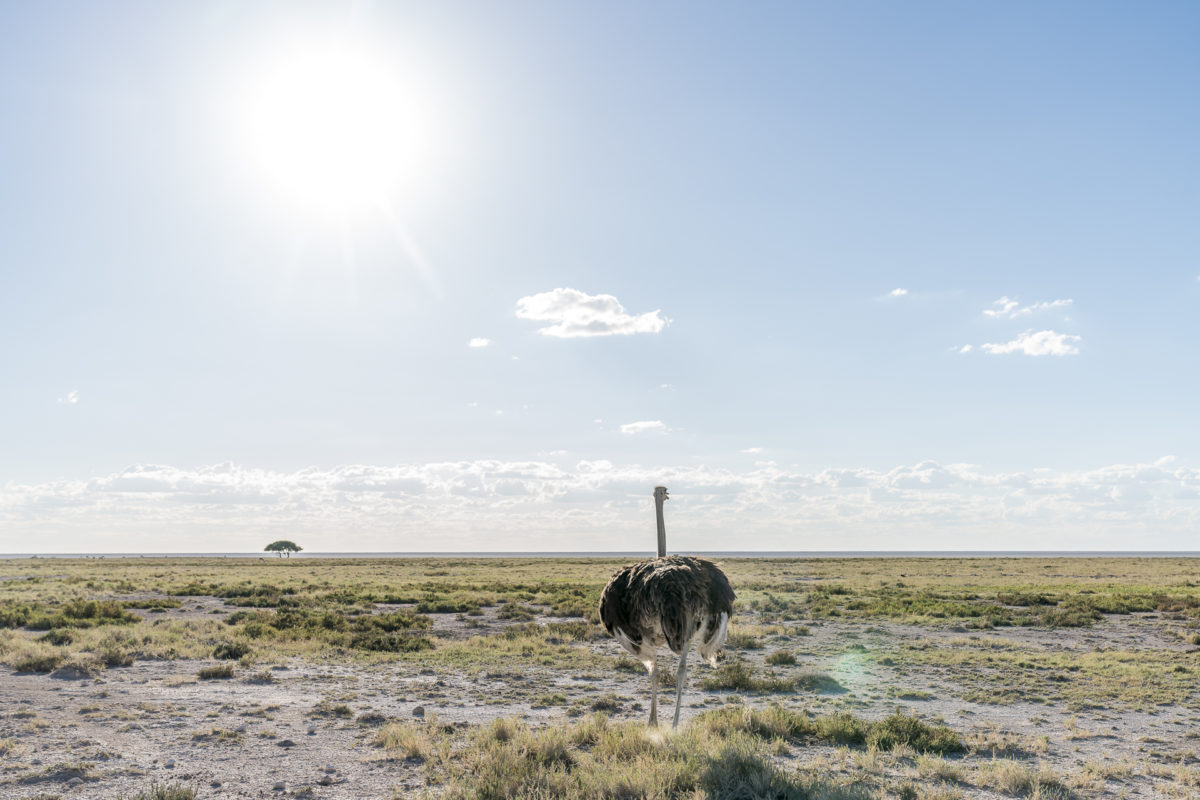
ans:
(662, 528)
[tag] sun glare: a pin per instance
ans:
(332, 128)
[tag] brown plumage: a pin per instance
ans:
(679, 601)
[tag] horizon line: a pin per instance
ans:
(598, 553)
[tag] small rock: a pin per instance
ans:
(169, 763)
(242, 728)
(330, 768)
(280, 786)
(325, 780)
(215, 784)
(285, 743)
(312, 730)
(76, 781)
(419, 711)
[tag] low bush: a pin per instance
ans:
(216, 672)
(230, 651)
(780, 658)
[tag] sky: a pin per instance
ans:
(477, 276)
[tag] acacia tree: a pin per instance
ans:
(283, 546)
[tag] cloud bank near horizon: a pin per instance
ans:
(599, 505)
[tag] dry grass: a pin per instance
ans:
(1037, 782)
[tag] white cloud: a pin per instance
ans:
(897, 292)
(576, 314)
(1008, 308)
(479, 341)
(645, 425)
(71, 399)
(1041, 343)
(751, 450)
(966, 348)
(476, 505)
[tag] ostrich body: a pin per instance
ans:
(679, 601)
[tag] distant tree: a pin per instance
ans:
(283, 546)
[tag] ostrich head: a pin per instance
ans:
(660, 494)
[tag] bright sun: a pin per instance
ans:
(331, 127)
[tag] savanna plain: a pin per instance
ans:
(172, 679)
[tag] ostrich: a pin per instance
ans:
(676, 600)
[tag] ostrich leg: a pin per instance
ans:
(654, 692)
(680, 677)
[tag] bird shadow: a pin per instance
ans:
(819, 683)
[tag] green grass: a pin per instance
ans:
(1001, 673)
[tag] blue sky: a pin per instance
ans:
(781, 226)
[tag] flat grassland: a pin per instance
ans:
(491, 678)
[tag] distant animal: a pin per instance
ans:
(680, 601)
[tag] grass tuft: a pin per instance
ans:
(216, 672)
(780, 658)
(174, 791)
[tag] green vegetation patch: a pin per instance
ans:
(72, 614)
(777, 722)
(1004, 673)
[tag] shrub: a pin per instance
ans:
(445, 605)
(56, 636)
(231, 651)
(902, 729)
(390, 643)
(737, 640)
(216, 672)
(780, 658)
(841, 728)
(737, 676)
(174, 791)
(515, 611)
(38, 662)
(115, 652)
(406, 740)
(390, 623)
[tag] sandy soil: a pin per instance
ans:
(155, 722)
